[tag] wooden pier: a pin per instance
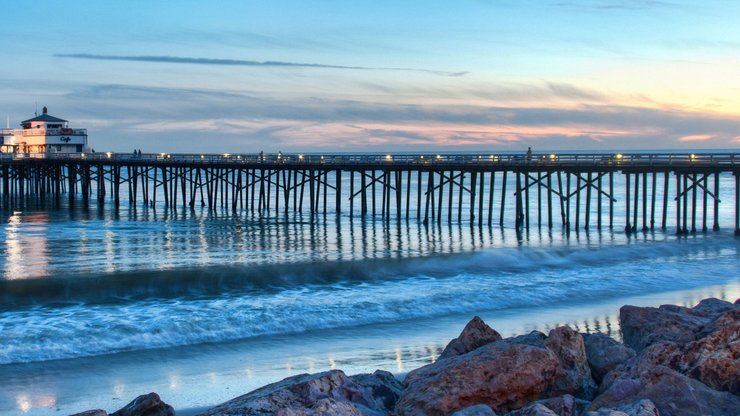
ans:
(575, 191)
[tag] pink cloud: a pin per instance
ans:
(696, 138)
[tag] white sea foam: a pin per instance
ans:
(493, 279)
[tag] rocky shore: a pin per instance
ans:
(674, 361)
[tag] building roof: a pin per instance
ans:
(44, 117)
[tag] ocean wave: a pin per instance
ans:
(303, 297)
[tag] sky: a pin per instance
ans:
(380, 76)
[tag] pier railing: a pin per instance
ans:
(503, 159)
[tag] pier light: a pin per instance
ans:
(553, 156)
(619, 156)
(109, 154)
(300, 157)
(439, 157)
(322, 157)
(692, 157)
(238, 157)
(389, 158)
(201, 156)
(421, 157)
(226, 155)
(82, 155)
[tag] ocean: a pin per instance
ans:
(99, 305)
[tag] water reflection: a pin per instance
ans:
(26, 246)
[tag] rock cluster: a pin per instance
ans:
(674, 361)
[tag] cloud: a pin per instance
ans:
(239, 62)
(195, 120)
(695, 138)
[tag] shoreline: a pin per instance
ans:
(201, 376)
(674, 360)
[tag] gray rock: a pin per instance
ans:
(605, 411)
(565, 405)
(327, 393)
(640, 408)
(95, 412)
(534, 409)
(604, 353)
(146, 405)
(574, 374)
(383, 386)
(643, 407)
(671, 392)
(477, 410)
(713, 307)
(475, 334)
(534, 338)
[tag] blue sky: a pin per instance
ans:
(239, 76)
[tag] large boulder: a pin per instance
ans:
(644, 326)
(715, 359)
(671, 392)
(146, 405)
(475, 334)
(502, 375)
(604, 353)
(328, 393)
(574, 374)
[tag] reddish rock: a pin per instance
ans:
(604, 353)
(671, 392)
(146, 405)
(644, 326)
(327, 393)
(715, 359)
(475, 334)
(574, 375)
(502, 375)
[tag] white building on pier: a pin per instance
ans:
(43, 134)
